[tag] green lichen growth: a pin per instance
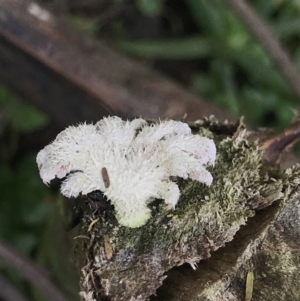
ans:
(204, 219)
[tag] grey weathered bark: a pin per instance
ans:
(118, 263)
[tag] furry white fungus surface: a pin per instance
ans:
(131, 162)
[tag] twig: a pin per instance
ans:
(265, 36)
(9, 292)
(275, 148)
(33, 273)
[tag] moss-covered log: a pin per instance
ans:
(268, 246)
(119, 263)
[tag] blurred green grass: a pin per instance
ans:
(23, 206)
(238, 74)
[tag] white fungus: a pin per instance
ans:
(131, 162)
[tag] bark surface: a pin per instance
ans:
(119, 263)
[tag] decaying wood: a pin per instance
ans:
(74, 78)
(268, 245)
(204, 220)
(223, 275)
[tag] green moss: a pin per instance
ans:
(204, 219)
